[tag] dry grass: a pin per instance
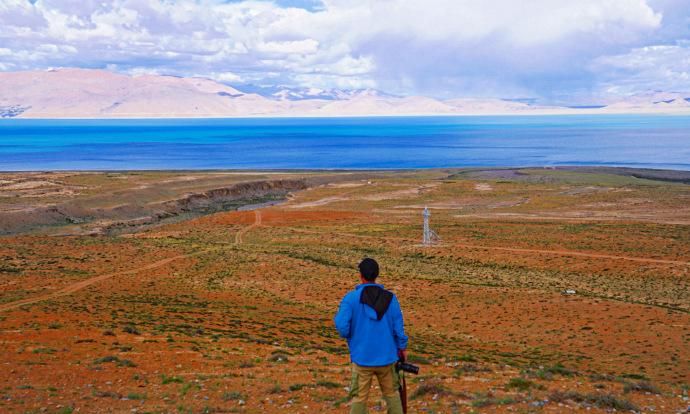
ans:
(248, 327)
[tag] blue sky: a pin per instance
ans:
(553, 51)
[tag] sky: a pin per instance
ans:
(548, 51)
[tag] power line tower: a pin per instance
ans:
(429, 237)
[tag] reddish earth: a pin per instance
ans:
(231, 312)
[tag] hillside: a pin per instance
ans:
(90, 93)
(551, 291)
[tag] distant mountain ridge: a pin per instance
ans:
(288, 93)
(93, 93)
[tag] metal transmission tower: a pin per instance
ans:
(429, 237)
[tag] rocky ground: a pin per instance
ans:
(232, 311)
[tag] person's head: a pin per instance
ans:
(368, 270)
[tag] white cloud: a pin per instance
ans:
(451, 47)
(305, 46)
(661, 67)
(525, 22)
(228, 77)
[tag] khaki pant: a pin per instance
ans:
(361, 382)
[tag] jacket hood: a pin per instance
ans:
(376, 300)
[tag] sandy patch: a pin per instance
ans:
(509, 203)
(319, 202)
(435, 206)
(28, 185)
(483, 187)
(393, 195)
(586, 190)
(346, 185)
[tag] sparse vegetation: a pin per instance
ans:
(327, 384)
(547, 373)
(606, 401)
(279, 357)
(640, 386)
(136, 396)
(49, 351)
(520, 384)
(297, 387)
(165, 379)
(9, 269)
(486, 400)
(430, 388)
(216, 330)
(233, 396)
(111, 358)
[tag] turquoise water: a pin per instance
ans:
(346, 143)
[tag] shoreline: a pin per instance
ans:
(278, 171)
(532, 113)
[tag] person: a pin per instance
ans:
(370, 318)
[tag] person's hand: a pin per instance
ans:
(402, 354)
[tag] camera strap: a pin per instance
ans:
(403, 392)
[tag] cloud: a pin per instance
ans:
(227, 77)
(662, 67)
(538, 48)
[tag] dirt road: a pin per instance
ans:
(517, 249)
(242, 232)
(88, 282)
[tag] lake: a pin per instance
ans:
(652, 141)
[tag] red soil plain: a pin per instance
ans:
(232, 311)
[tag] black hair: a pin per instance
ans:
(369, 269)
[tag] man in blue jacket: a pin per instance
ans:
(371, 320)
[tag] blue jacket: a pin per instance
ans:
(372, 342)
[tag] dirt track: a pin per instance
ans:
(88, 282)
(519, 250)
(242, 232)
(160, 317)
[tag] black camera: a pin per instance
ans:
(405, 367)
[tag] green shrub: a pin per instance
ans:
(135, 396)
(44, 351)
(278, 357)
(233, 396)
(9, 269)
(171, 379)
(327, 384)
(483, 400)
(113, 358)
(640, 386)
(296, 387)
(417, 359)
(467, 358)
(520, 384)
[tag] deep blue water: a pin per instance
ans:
(346, 143)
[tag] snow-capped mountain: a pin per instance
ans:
(287, 93)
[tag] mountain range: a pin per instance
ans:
(94, 93)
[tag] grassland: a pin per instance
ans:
(232, 311)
